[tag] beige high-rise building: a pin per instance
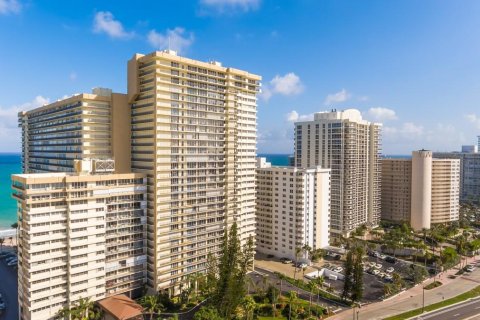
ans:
(420, 191)
(293, 209)
(95, 125)
(189, 126)
(193, 132)
(81, 235)
(350, 146)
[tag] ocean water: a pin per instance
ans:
(10, 163)
(276, 159)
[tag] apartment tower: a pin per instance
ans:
(81, 235)
(293, 209)
(421, 191)
(350, 146)
(95, 126)
(193, 133)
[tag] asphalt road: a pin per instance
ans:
(287, 287)
(9, 291)
(465, 310)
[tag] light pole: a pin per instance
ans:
(423, 299)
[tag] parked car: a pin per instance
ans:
(286, 260)
(338, 269)
(382, 274)
(375, 272)
(470, 268)
(390, 269)
(390, 259)
(388, 278)
(378, 266)
(370, 271)
(301, 265)
(365, 268)
(372, 264)
(382, 256)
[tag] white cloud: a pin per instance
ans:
(9, 132)
(473, 118)
(176, 39)
(337, 97)
(287, 85)
(363, 98)
(10, 6)
(230, 6)
(104, 22)
(293, 116)
(382, 114)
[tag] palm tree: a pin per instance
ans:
(249, 305)
(319, 281)
(297, 252)
(83, 309)
(311, 286)
(151, 305)
(2, 240)
(292, 297)
(307, 251)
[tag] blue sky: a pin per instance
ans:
(412, 65)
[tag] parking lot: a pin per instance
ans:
(8, 290)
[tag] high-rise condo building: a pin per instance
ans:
(469, 174)
(83, 126)
(193, 132)
(81, 235)
(420, 191)
(293, 209)
(350, 146)
(189, 127)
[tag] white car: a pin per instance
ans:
(470, 268)
(382, 256)
(338, 269)
(378, 266)
(382, 274)
(372, 264)
(375, 272)
(390, 270)
(388, 277)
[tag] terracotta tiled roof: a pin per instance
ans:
(121, 307)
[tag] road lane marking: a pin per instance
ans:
(456, 315)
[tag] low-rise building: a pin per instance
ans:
(81, 235)
(420, 191)
(293, 209)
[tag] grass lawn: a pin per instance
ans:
(412, 313)
(271, 318)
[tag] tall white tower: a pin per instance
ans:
(421, 189)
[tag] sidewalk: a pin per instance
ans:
(413, 298)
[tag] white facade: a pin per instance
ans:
(350, 146)
(293, 209)
(80, 236)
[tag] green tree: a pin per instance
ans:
(212, 274)
(292, 298)
(273, 294)
(207, 313)
(248, 305)
(83, 309)
(234, 263)
(357, 288)
(348, 283)
(297, 253)
(151, 305)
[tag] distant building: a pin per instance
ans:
(293, 208)
(469, 174)
(470, 149)
(350, 146)
(291, 160)
(81, 235)
(420, 191)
